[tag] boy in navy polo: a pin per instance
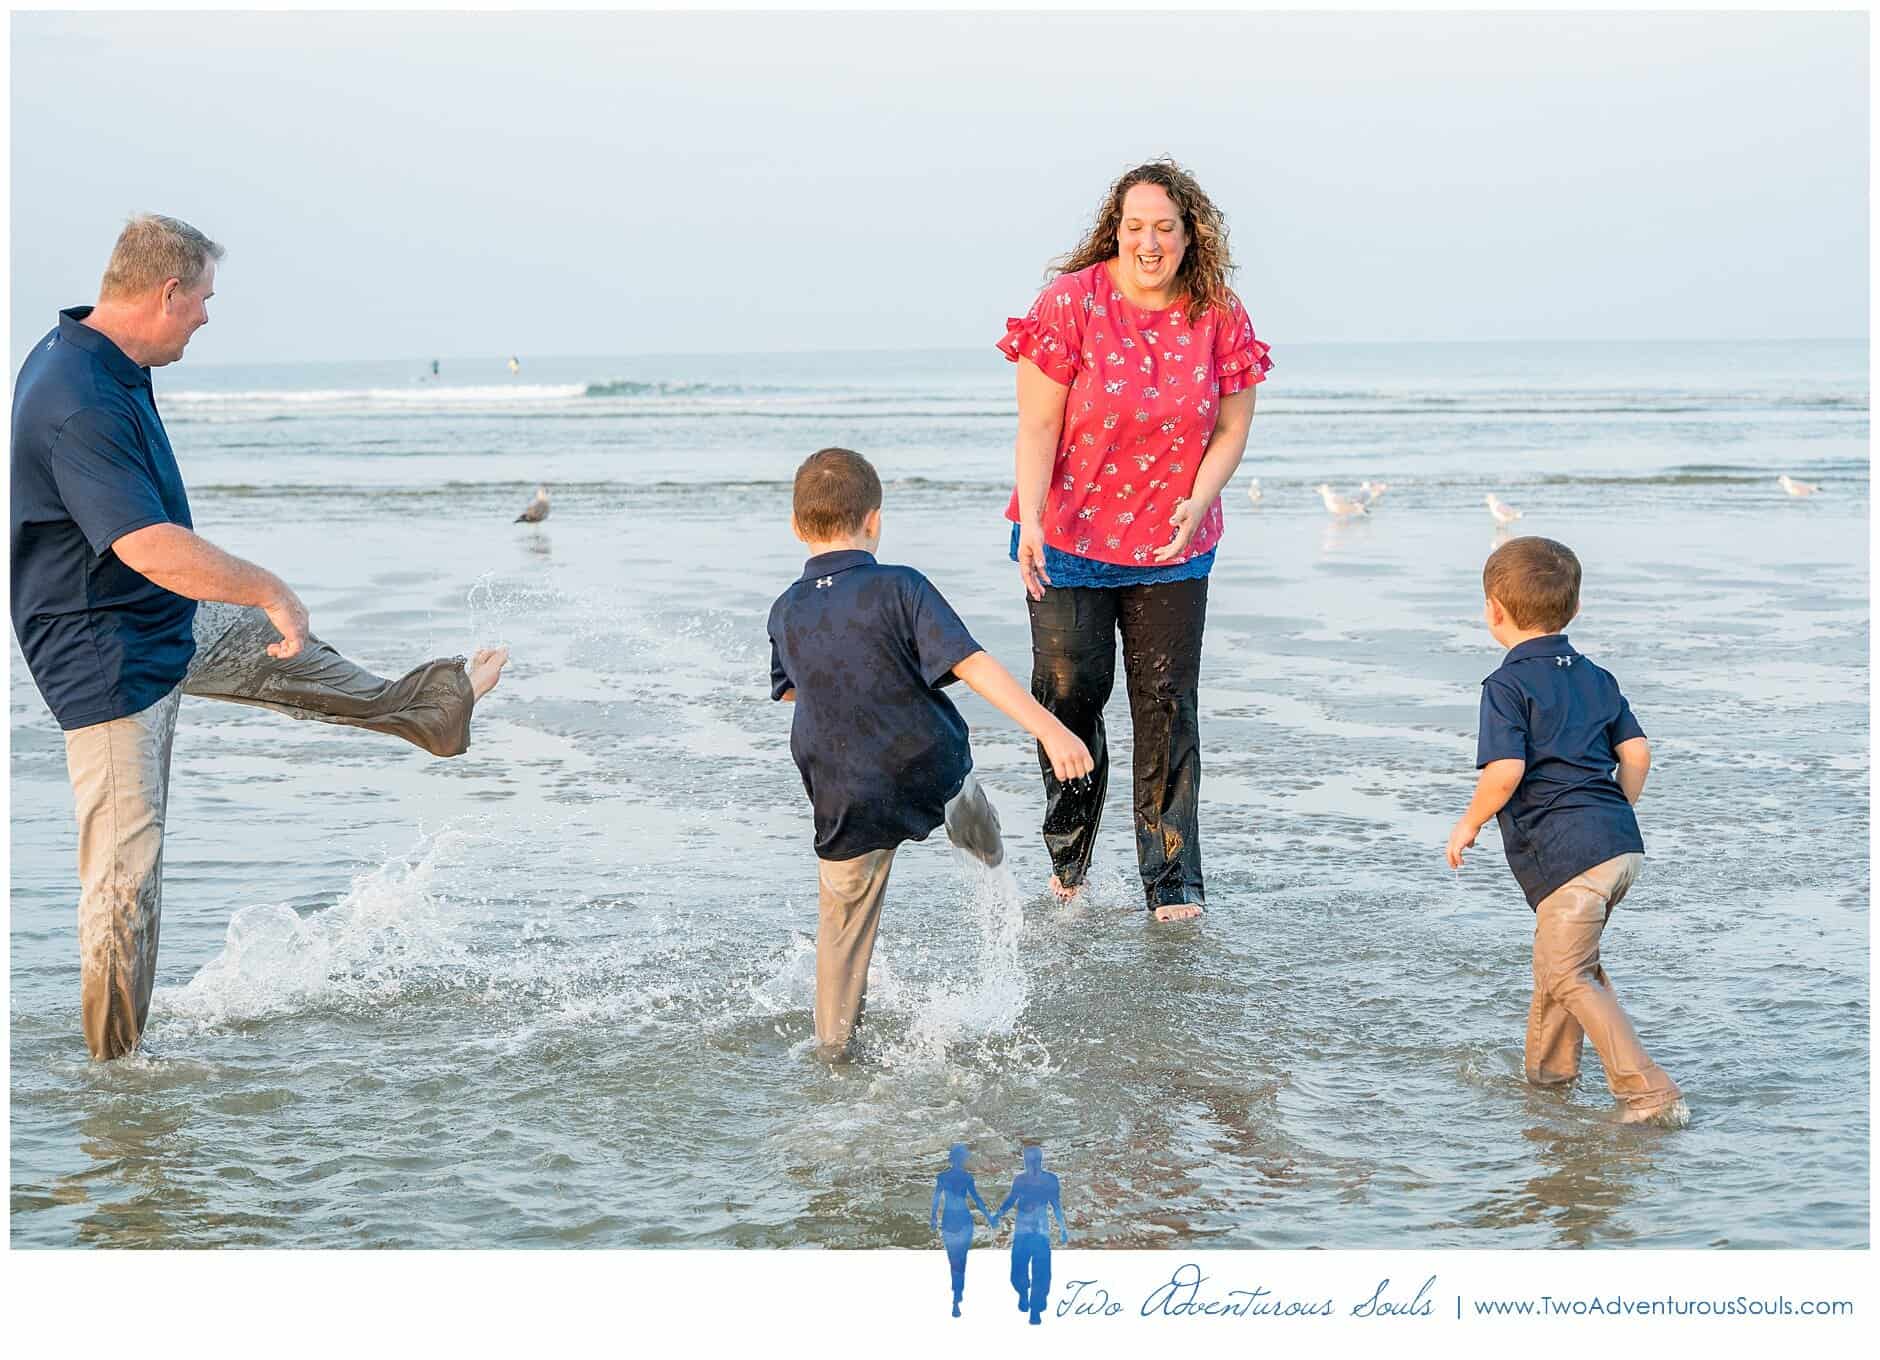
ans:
(1553, 728)
(863, 651)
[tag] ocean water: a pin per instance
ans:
(556, 992)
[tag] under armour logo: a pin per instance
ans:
(1563, 661)
(824, 582)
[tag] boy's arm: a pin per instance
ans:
(982, 673)
(1499, 780)
(1635, 762)
(781, 686)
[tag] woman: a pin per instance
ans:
(1136, 369)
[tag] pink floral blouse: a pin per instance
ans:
(1145, 391)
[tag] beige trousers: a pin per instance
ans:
(848, 911)
(1574, 999)
(120, 773)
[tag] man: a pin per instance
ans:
(1035, 1192)
(107, 570)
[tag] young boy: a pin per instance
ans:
(863, 651)
(1553, 727)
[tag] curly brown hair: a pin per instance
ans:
(1202, 278)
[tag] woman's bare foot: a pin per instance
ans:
(1177, 911)
(1062, 893)
(486, 668)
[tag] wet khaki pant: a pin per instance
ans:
(120, 774)
(1574, 999)
(848, 913)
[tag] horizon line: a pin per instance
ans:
(962, 349)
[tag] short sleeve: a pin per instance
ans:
(1051, 334)
(780, 681)
(1624, 727)
(941, 641)
(1502, 732)
(102, 478)
(1240, 357)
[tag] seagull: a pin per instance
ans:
(1341, 506)
(1795, 488)
(1503, 513)
(1253, 491)
(1372, 491)
(536, 510)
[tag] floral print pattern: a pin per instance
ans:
(1145, 388)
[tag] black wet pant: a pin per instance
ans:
(1073, 669)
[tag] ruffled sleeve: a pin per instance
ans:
(1240, 357)
(1051, 333)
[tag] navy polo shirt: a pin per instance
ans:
(881, 749)
(1554, 709)
(90, 464)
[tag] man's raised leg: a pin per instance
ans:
(428, 707)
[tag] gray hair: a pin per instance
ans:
(151, 250)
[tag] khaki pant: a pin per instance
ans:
(1574, 999)
(120, 773)
(848, 913)
(428, 707)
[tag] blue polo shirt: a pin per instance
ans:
(90, 464)
(1551, 707)
(867, 649)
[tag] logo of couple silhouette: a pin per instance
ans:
(1035, 1197)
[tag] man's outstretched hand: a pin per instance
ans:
(289, 617)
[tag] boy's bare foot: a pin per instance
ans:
(1177, 911)
(1062, 893)
(486, 668)
(1676, 1115)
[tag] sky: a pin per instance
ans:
(402, 186)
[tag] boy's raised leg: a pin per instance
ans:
(972, 824)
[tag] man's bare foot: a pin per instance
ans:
(1062, 893)
(1177, 911)
(486, 668)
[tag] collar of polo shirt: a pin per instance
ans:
(74, 331)
(1554, 644)
(829, 563)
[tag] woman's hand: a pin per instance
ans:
(1031, 559)
(1186, 519)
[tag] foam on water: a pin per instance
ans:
(390, 933)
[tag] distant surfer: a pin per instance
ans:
(515, 365)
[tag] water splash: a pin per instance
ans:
(391, 934)
(984, 999)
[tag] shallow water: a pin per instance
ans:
(556, 992)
